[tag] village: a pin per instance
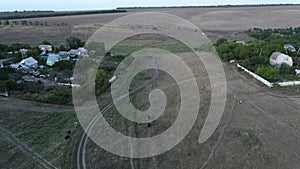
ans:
(33, 70)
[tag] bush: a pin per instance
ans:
(285, 69)
(74, 43)
(268, 72)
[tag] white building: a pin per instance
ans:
(30, 62)
(47, 48)
(278, 59)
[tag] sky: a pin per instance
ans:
(63, 5)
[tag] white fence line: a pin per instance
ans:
(267, 83)
(264, 81)
(69, 84)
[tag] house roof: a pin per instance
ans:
(278, 58)
(46, 47)
(52, 59)
(29, 61)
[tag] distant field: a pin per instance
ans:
(219, 22)
(41, 14)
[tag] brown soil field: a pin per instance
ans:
(215, 22)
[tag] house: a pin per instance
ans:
(277, 59)
(30, 62)
(73, 52)
(64, 55)
(289, 47)
(52, 59)
(47, 48)
(82, 52)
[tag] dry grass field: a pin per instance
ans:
(215, 22)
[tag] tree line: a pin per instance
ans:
(16, 15)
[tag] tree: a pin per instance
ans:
(45, 42)
(24, 22)
(285, 69)
(220, 41)
(73, 42)
(101, 81)
(4, 48)
(62, 47)
(6, 22)
(268, 73)
(64, 65)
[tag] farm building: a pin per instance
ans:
(278, 59)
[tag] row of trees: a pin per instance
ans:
(31, 23)
(17, 15)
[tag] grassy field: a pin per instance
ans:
(40, 132)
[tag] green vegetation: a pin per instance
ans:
(255, 55)
(140, 42)
(74, 43)
(44, 134)
(268, 73)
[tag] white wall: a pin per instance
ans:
(267, 83)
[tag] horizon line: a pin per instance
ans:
(149, 7)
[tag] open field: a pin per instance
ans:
(215, 22)
(254, 134)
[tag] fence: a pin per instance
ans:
(267, 83)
